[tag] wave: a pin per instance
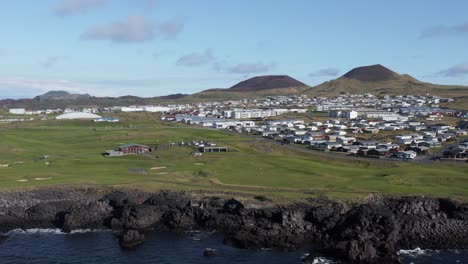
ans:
(52, 231)
(414, 252)
(317, 260)
(321, 260)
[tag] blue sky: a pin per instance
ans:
(158, 47)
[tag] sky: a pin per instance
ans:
(159, 47)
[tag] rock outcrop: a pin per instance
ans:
(370, 232)
(131, 238)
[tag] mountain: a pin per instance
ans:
(372, 73)
(379, 80)
(253, 88)
(60, 95)
(375, 79)
(60, 99)
(267, 82)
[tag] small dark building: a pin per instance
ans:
(212, 149)
(378, 152)
(421, 150)
(365, 143)
(456, 153)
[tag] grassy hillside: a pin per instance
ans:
(224, 94)
(379, 80)
(403, 85)
(256, 167)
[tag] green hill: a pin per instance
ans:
(379, 80)
(60, 95)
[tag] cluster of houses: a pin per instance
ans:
(393, 114)
(388, 108)
(201, 146)
(210, 122)
(94, 110)
(341, 135)
(352, 116)
(138, 149)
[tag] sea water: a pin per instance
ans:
(92, 246)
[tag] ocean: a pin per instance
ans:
(39, 246)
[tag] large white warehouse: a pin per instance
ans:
(78, 115)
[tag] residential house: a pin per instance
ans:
(346, 140)
(409, 154)
(134, 149)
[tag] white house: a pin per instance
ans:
(132, 109)
(299, 132)
(316, 123)
(406, 154)
(340, 133)
(155, 109)
(18, 111)
(348, 114)
(345, 140)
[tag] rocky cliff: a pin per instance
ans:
(369, 232)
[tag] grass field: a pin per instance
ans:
(256, 167)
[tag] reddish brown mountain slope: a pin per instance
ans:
(372, 73)
(266, 83)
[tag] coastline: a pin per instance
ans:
(371, 232)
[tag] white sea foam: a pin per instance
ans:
(414, 252)
(318, 260)
(51, 231)
(193, 231)
(321, 260)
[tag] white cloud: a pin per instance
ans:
(247, 68)
(171, 28)
(326, 72)
(455, 71)
(196, 58)
(134, 29)
(460, 29)
(50, 61)
(73, 7)
(30, 87)
(131, 29)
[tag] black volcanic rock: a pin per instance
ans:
(369, 232)
(233, 206)
(372, 73)
(89, 216)
(47, 213)
(139, 216)
(131, 238)
(266, 83)
(209, 252)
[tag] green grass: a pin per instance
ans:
(257, 167)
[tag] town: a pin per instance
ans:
(405, 127)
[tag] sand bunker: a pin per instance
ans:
(42, 179)
(22, 180)
(4, 165)
(159, 168)
(161, 173)
(199, 164)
